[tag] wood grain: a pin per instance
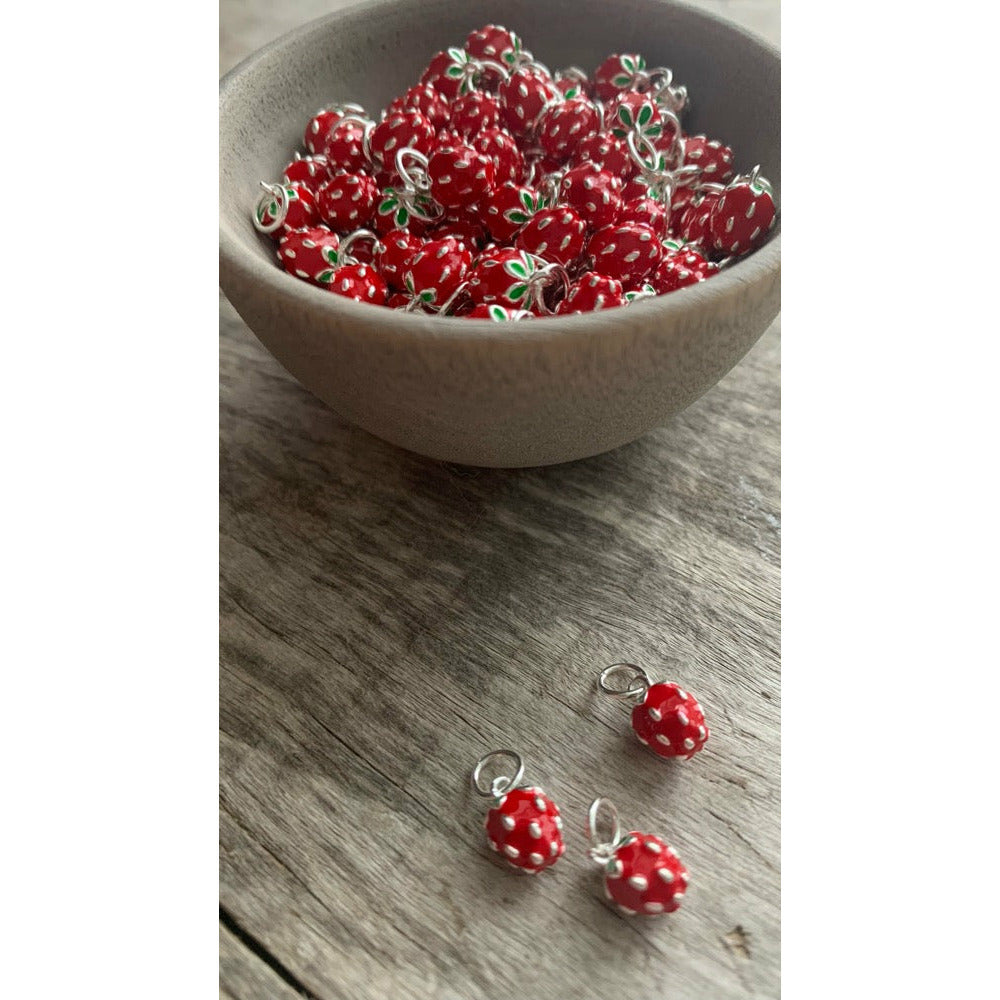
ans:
(386, 619)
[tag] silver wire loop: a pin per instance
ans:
(367, 127)
(502, 783)
(546, 275)
(636, 682)
(277, 194)
(419, 181)
(603, 816)
(350, 239)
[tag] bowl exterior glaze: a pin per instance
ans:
(474, 392)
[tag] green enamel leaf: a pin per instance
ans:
(402, 217)
(498, 314)
(509, 57)
(653, 131)
(273, 209)
(428, 296)
(388, 204)
(640, 62)
(293, 195)
(645, 113)
(516, 268)
(459, 55)
(513, 215)
(528, 201)
(454, 71)
(330, 255)
(625, 115)
(572, 92)
(324, 277)
(260, 214)
(516, 292)
(621, 80)
(628, 63)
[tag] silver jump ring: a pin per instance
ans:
(501, 784)
(540, 280)
(573, 73)
(278, 194)
(351, 238)
(420, 183)
(602, 849)
(638, 682)
(453, 298)
(660, 79)
(631, 139)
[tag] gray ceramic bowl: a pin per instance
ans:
(496, 394)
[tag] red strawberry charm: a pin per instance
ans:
(681, 266)
(642, 873)
(504, 276)
(616, 74)
(344, 148)
(564, 125)
(310, 254)
(692, 226)
(499, 314)
(425, 99)
(460, 175)
(500, 147)
(635, 113)
(711, 157)
(347, 201)
(608, 152)
(309, 171)
(497, 44)
(474, 112)
(360, 282)
(524, 826)
(510, 207)
(628, 252)
(590, 292)
(665, 718)
(393, 255)
(594, 192)
(284, 206)
(402, 129)
(318, 127)
(523, 97)
(743, 215)
(436, 270)
(553, 233)
(649, 211)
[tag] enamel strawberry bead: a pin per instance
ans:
(616, 74)
(344, 147)
(590, 292)
(681, 266)
(401, 129)
(474, 112)
(608, 152)
(509, 208)
(502, 276)
(393, 255)
(628, 252)
(713, 159)
(572, 82)
(425, 99)
(434, 273)
(635, 113)
(460, 175)
(555, 234)
(743, 215)
(311, 254)
(649, 211)
(501, 147)
(284, 206)
(360, 282)
(524, 825)
(692, 226)
(347, 201)
(642, 873)
(318, 127)
(454, 72)
(497, 44)
(498, 314)
(464, 226)
(523, 96)
(564, 125)
(309, 171)
(594, 192)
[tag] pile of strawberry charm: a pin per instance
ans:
(496, 189)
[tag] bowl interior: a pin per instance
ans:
(372, 52)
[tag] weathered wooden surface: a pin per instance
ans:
(387, 619)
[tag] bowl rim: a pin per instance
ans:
(728, 285)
